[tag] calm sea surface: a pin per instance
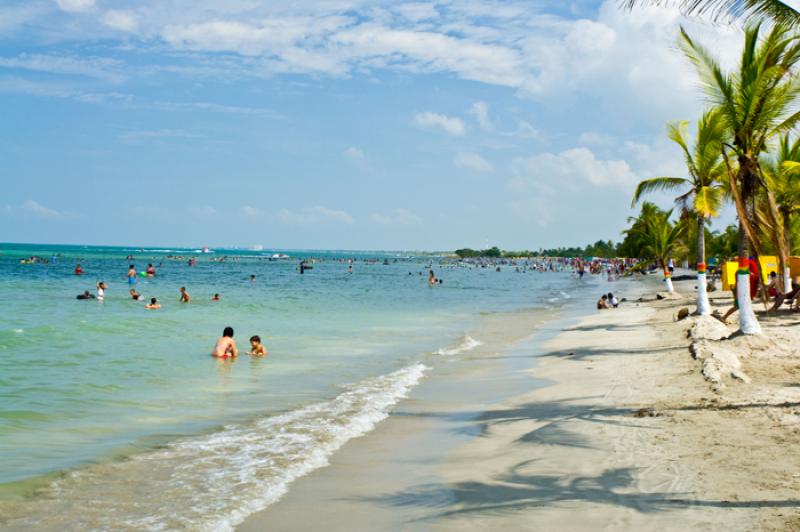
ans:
(107, 400)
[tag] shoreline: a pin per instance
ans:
(625, 434)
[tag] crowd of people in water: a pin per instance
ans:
(226, 347)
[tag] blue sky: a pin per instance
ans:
(340, 124)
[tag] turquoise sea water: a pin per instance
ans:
(92, 392)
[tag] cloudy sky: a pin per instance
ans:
(343, 124)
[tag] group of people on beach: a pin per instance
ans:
(607, 301)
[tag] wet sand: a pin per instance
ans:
(599, 423)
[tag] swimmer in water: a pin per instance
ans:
(184, 295)
(252, 278)
(215, 298)
(225, 346)
(131, 275)
(431, 278)
(136, 296)
(257, 349)
(153, 305)
(101, 290)
(78, 270)
(85, 295)
(150, 271)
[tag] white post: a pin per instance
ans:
(748, 323)
(668, 280)
(703, 305)
(787, 280)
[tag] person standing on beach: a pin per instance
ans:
(131, 275)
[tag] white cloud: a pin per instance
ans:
(32, 208)
(250, 212)
(134, 136)
(452, 125)
(313, 216)
(480, 110)
(396, 217)
(472, 161)
(569, 166)
(202, 211)
(96, 67)
(75, 5)
(594, 138)
(417, 11)
(354, 153)
(121, 20)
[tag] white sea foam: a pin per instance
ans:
(467, 343)
(213, 482)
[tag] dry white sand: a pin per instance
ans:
(630, 435)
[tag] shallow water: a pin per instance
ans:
(84, 384)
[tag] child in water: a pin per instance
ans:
(225, 346)
(256, 347)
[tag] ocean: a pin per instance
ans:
(117, 417)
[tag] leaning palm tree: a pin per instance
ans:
(757, 103)
(751, 10)
(702, 190)
(783, 177)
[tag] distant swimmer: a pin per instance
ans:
(136, 296)
(150, 271)
(225, 346)
(131, 274)
(215, 297)
(153, 305)
(84, 295)
(350, 269)
(101, 290)
(78, 270)
(431, 278)
(184, 295)
(252, 278)
(256, 347)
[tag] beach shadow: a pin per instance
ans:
(582, 354)
(517, 490)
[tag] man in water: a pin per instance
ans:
(184, 295)
(225, 346)
(215, 298)
(78, 270)
(153, 305)
(131, 275)
(85, 295)
(135, 295)
(101, 290)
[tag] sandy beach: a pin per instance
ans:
(606, 422)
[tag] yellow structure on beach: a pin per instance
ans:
(769, 264)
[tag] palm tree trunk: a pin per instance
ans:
(787, 271)
(667, 276)
(748, 323)
(703, 306)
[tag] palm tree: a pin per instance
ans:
(752, 10)
(783, 177)
(660, 240)
(702, 191)
(756, 103)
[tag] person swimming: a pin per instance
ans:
(226, 345)
(153, 305)
(84, 295)
(78, 270)
(256, 347)
(184, 295)
(431, 278)
(136, 296)
(215, 297)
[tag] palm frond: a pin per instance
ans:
(719, 10)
